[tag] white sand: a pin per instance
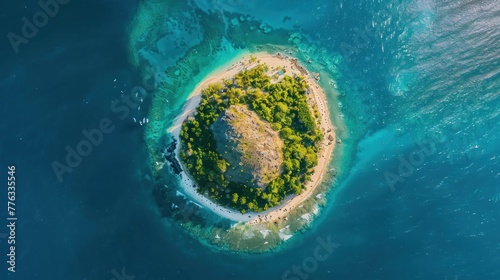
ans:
(318, 97)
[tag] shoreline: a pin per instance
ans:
(317, 96)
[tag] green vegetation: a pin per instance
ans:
(282, 104)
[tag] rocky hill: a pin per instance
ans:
(250, 146)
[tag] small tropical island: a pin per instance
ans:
(254, 140)
(243, 155)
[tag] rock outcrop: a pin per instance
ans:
(250, 146)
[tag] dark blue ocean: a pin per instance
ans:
(421, 198)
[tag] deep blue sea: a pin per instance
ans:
(421, 199)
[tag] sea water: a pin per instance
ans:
(419, 198)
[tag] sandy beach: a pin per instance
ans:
(316, 96)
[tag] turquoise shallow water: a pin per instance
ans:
(419, 93)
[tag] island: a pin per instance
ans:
(290, 167)
(254, 140)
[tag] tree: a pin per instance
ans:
(276, 126)
(286, 132)
(305, 116)
(243, 200)
(222, 165)
(282, 107)
(234, 198)
(251, 206)
(310, 160)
